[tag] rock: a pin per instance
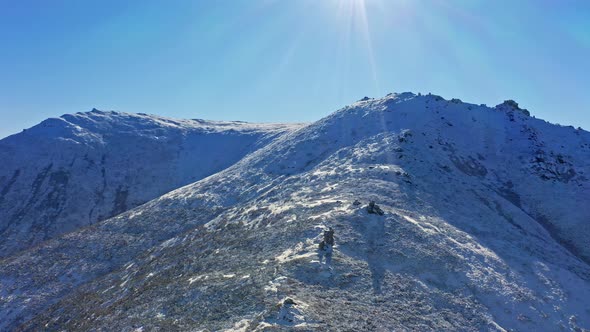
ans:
(356, 202)
(373, 208)
(511, 105)
(289, 301)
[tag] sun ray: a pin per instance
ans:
(360, 10)
(352, 15)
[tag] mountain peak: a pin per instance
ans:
(421, 102)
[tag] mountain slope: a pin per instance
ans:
(484, 229)
(72, 171)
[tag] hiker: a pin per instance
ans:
(329, 236)
(325, 247)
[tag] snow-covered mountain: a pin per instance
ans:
(72, 171)
(485, 227)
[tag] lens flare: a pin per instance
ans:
(354, 15)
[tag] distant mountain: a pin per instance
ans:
(72, 171)
(484, 227)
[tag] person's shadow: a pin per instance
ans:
(375, 252)
(373, 230)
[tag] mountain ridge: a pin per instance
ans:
(80, 168)
(460, 245)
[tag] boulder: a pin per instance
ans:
(373, 208)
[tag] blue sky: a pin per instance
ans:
(288, 60)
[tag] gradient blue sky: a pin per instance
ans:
(289, 60)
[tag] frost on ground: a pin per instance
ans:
(483, 228)
(72, 171)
